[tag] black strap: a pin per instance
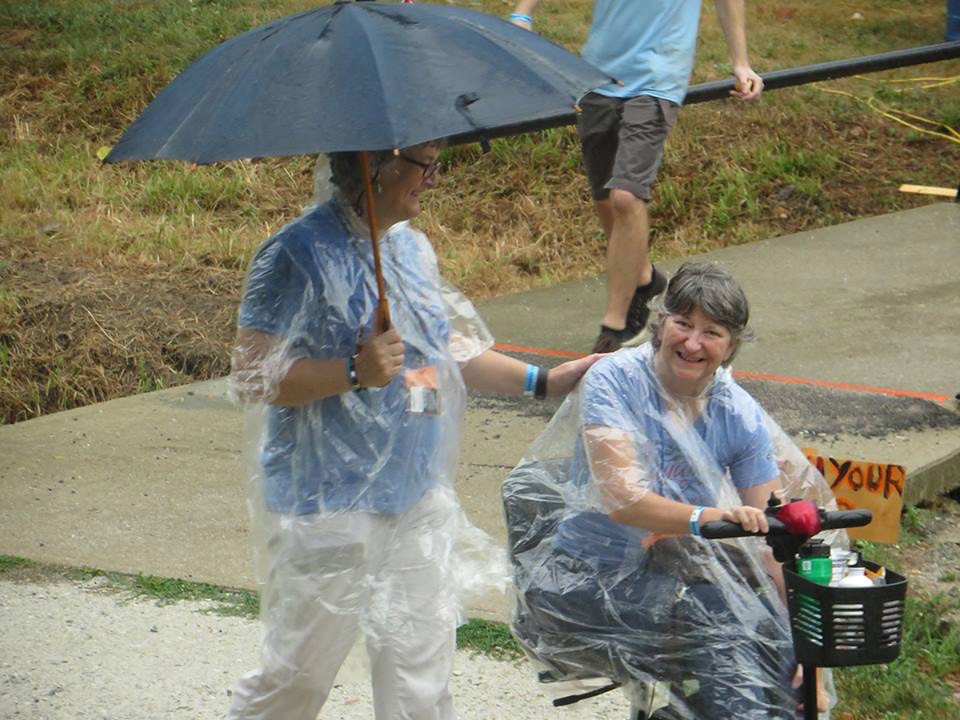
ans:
(540, 389)
(570, 699)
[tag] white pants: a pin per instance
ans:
(332, 574)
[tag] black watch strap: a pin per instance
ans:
(352, 377)
(540, 389)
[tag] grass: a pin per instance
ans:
(915, 525)
(490, 638)
(78, 71)
(224, 601)
(922, 682)
(148, 383)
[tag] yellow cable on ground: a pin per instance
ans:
(888, 111)
(894, 114)
(934, 81)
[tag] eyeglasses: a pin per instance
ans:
(429, 169)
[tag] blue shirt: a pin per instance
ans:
(312, 285)
(648, 45)
(693, 463)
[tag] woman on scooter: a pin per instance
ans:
(661, 439)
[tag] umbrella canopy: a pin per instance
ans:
(360, 76)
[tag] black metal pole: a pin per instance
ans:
(831, 70)
(809, 692)
(771, 81)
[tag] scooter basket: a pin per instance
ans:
(838, 626)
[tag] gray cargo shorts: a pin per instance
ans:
(622, 141)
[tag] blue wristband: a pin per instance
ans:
(695, 520)
(520, 16)
(530, 384)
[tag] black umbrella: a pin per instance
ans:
(360, 76)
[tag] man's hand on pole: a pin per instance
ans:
(748, 86)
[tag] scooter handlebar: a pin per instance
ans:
(829, 520)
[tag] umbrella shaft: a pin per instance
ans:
(382, 320)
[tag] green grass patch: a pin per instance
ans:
(916, 524)
(148, 382)
(9, 302)
(10, 564)
(920, 683)
(915, 685)
(226, 601)
(490, 638)
(243, 603)
(948, 114)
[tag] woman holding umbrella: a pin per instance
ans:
(355, 438)
(357, 416)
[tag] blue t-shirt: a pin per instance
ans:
(692, 463)
(648, 45)
(312, 284)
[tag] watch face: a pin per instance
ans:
(352, 376)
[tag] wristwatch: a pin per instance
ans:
(352, 377)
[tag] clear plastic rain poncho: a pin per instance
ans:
(356, 523)
(692, 627)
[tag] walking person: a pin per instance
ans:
(352, 443)
(649, 47)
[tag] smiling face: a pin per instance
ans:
(692, 346)
(402, 179)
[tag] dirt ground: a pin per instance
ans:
(932, 563)
(75, 330)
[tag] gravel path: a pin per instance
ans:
(84, 651)
(78, 651)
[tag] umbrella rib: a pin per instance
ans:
(361, 17)
(545, 70)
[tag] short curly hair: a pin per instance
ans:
(710, 289)
(346, 171)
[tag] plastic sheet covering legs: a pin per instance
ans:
(332, 575)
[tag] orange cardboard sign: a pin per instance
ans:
(858, 484)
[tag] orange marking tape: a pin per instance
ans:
(942, 399)
(934, 397)
(538, 351)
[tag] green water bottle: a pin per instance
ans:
(814, 563)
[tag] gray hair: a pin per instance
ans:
(711, 290)
(346, 172)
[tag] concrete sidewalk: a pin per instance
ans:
(154, 483)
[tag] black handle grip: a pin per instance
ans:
(719, 529)
(836, 519)
(833, 520)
